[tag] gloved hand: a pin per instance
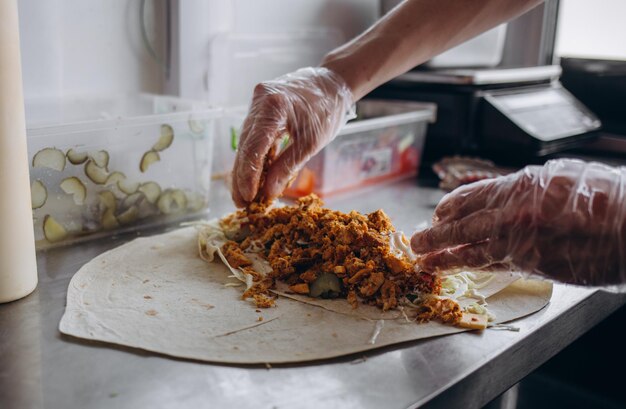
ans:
(565, 220)
(310, 105)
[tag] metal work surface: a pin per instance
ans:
(40, 368)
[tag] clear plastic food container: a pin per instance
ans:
(383, 144)
(226, 140)
(103, 165)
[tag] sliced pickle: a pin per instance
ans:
(95, 173)
(196, 126)
(108, 220)
(148, 159)
(172, 201)
(75, 187)
(239, 234)
(49, 158)
(151, 190)
(128, 216)
(325, 286)
(38, 194)
(127, 186)
(53, 231)
(165, 202)
(165, 140)
(100, 158)
(75, 157)
(107, 198)
(146, 209)
(132, 200)
(114, 178)
(195, 202)
(180, 200)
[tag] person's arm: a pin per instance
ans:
(312, 104)
(413, 33)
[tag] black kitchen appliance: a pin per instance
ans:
(510, 115)
(601, 86)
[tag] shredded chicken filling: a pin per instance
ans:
(304, 241)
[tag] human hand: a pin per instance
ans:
(310, 105)
(565, 220)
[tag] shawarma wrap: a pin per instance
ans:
(158, 294)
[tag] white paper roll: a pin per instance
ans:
(18, 265)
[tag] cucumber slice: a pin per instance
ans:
(166, 139)
(148, 159)
(195, 201)
(114, 178)
(325, 286)
(108, 200)
(151, 190)
(75, 157)
(172, 201)
(95, 173)
(180, 200)
(128, 216)
(100, 158)
(127, 187)
(53, 231)
(38, 194)
(196, 126)
(132, 200)
(108, 220)
(75, 187)
(51, 158)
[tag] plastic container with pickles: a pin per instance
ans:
(105, 165)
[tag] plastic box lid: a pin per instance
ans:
(71, 114)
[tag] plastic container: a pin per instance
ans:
(104, 165)
(384, 143)
(226, 140)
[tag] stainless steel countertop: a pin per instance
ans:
(40, 368)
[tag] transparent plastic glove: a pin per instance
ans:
(310, 105)
(565, 220)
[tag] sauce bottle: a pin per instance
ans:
(18, 265)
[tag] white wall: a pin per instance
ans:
(349, 16)
(595, 29)
(204, 66)
(74, 47)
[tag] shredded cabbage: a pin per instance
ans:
(476, 308)
(466, 285)
(453, 286)
(472, 293)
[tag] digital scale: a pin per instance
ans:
(513, 116)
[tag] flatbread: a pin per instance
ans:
(156, 294)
